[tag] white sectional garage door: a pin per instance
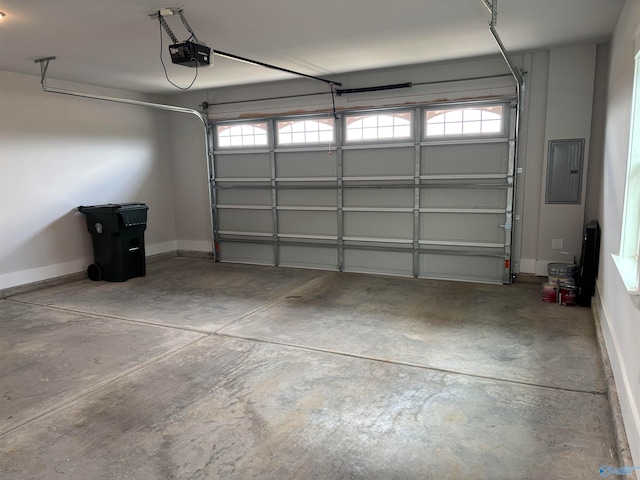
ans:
(425, 192)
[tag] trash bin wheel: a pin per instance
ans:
(95, 272)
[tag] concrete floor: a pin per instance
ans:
(215, 371)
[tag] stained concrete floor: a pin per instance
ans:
(215, 371)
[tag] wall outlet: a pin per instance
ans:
(557, 244)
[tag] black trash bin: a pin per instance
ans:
(117, 235)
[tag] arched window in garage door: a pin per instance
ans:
(301, 132)
(470, 121)
(242, 135)
(378, 126)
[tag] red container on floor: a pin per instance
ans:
(549, 293)
(567, 295)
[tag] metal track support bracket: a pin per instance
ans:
(44, 65)
(492, 6)
(167, 29)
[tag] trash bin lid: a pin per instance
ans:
(133, 213)
(99, 208)
(132, 206)
(113, 206)
(130, 213)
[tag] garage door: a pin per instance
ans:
(425, 192)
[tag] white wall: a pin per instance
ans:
(190, 180)
(568, 116)
(59, 152)
(620, 320)
(532, 155)
(596, 151)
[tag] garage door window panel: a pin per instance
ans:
(475, 121)
(305, 131)
(375, 127)
(242, 135)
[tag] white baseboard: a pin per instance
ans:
(527, 265)
(537, 267)
(158, 248)
(628, 406)
(541, 267)
(31, 275)
(195, 245)
(23, 277)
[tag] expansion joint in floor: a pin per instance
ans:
(100, 386)
(412, 365)
(115, 317)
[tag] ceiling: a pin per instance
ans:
(114, 43)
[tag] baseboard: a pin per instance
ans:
(626, 417)
(25, 277)
(37, 285)
(161, 256)
(541, 267)
(159, 248)
(67, 271)
(527, 265)
(194, 246)
(194, 254)
(530, 278)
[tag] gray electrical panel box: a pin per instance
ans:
(564, 171)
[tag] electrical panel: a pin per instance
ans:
(564, 171)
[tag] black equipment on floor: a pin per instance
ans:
(589, 264)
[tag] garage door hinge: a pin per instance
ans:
(506, 226)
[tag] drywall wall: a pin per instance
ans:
(190, 179)
(558, 96)
(619, 319)
(59, 152)
(532, 154)
(569, 100)
(593, 191)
